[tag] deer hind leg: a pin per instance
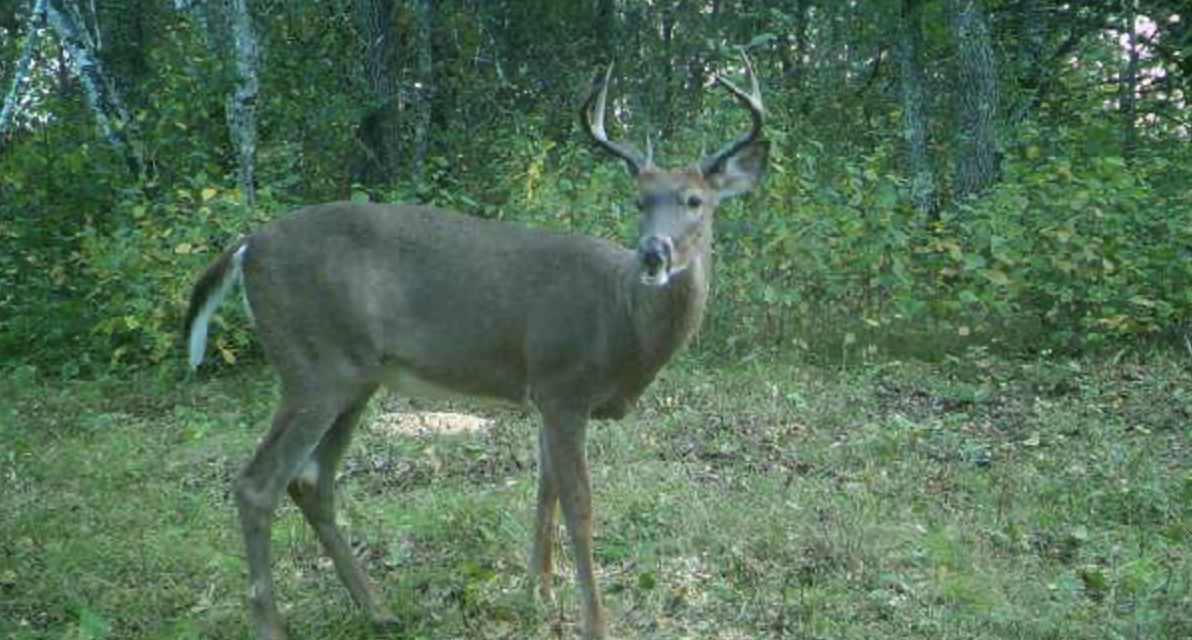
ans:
(541, 555)
(314, 493)
(298, 427)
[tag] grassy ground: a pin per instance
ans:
(973, 499)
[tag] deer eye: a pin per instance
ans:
(694, 202)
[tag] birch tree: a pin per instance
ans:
(242, 104)
(227, 28)
(102, 96)
(21, 75)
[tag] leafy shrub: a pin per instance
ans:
(142, 271)
(1071, 250)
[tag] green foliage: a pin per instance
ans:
(1074, 248)
(141, 271)
(1069, 251)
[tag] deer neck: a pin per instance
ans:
(664, 318)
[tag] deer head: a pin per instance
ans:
(676, 206)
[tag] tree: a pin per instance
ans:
(242, 104)
(1129, 83)
(379, 129)
(20, 77)
(976, 98)
(424, 88)
(228, 31)
(101, 93)
(914, 119)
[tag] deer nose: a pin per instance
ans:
(656, 253)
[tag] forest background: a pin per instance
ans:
(946, 174)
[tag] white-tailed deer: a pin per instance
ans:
(349, 297)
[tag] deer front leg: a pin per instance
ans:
(564, 432)
(541, 555)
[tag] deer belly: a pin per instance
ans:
(407, 382)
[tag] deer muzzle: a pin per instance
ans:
(656, 253)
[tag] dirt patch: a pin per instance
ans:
(421, 423)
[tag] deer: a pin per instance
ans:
(346, 298)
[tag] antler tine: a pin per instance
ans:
(757, 113)
(594, 124)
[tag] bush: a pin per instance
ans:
(141, 272)
(112, 291)
(1059, 255)
(1070, 251)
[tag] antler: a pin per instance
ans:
(752, 101)
(594, 125)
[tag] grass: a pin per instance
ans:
(971, 499)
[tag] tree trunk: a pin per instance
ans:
(20, 75)
(424, 88)
(914, 121)
(242, 104)
(379, 131)
(102, 98)
(976, 98)
(227, 28)
(1129, 86)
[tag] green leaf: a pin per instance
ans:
(998, 277)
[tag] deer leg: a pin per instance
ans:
(296, 431)
(541, 560)
(564, 434)
(314, 493)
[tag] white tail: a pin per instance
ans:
(219, 281)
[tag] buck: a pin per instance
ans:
(347, 298)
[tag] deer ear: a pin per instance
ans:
(741, 172)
